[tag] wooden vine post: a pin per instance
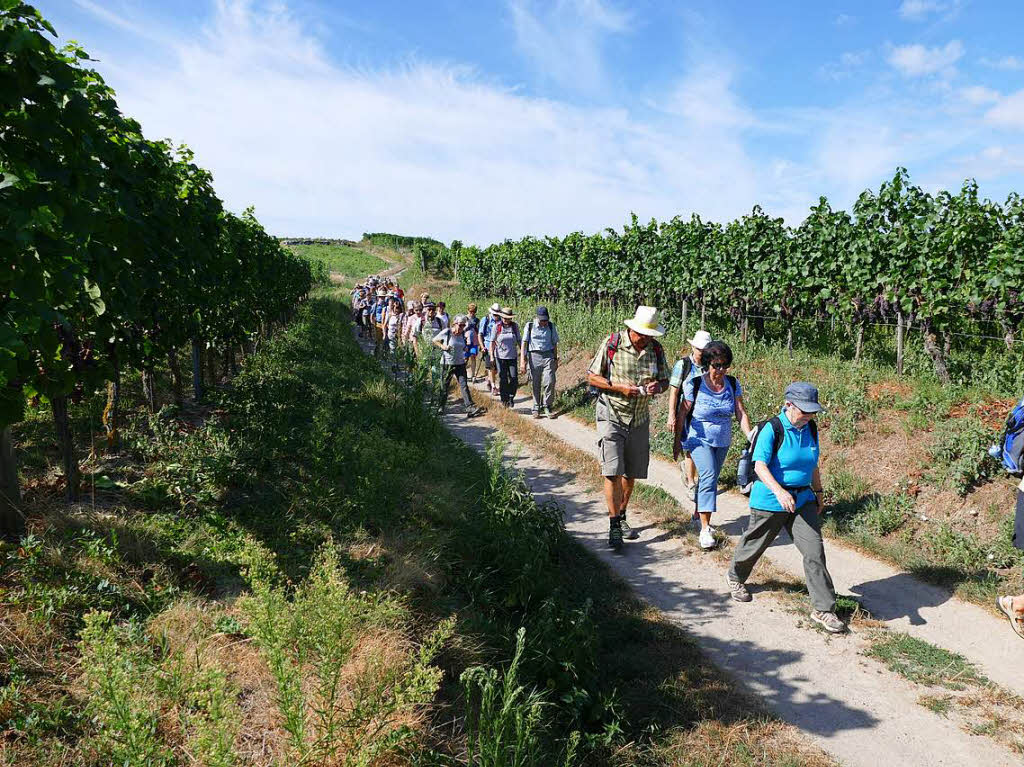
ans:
(684, 315)
(899, 343)
(12, 521)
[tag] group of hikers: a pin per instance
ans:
(780, 467)
(464, 342)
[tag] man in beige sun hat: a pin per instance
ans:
(628, 369)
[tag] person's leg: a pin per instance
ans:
(447, 371)
(707, 482)
(762, 527)
(548, 384)
(627, 492)
(460, 376)
(613, 495)
(513, 382)
(536, 362)
(805, 528)
(691, 470)
(506, 369)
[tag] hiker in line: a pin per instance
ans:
(505, 342)
(539, 355)
(689, 367)
(788, 494)
(1010, 451)
(710, 402)
(452, 343)
(487, 325)
(377, 317)
(442, 314)
(472, 342)
(427, 327)
(412, 313)
(628, 369)
(392, 321)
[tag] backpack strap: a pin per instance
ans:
(611, 346)
(529, 332)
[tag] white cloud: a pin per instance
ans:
(1008, 113)
(979, 94)
(916, 60)
(845, 20)
(1011, 63)
(918, 10)
(564, 39)
(848, 63)
(441, 150)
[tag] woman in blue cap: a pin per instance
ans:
(788, 494)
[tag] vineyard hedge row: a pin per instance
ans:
(941, 262)
(117, 250)
(120, 249)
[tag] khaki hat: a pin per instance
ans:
(505, 313)
(645, 322)
(496, 308)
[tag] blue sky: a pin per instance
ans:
(485, 120)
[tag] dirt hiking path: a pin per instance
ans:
(850, 705)
(898, 599)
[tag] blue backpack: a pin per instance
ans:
(1011, 448)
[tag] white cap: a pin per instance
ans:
(700, 339)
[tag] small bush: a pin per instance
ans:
(959, 451)
(506, 723)
(957, 550)
(335, 702)
(887, 514)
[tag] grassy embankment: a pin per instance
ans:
(349, 263)
(904, 461)
(304, 569)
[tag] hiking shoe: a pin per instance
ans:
(828, 621)
(536, 414)
(628, 532)
(707, 539)
(615, 534)
(737, 590)
(474, 412)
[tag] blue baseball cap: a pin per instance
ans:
(804, 395)
(542, 312)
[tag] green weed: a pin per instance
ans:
(959, 451)
(924, 663)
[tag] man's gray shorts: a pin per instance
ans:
(623, 450)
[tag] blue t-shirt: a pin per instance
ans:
(712, 415)
(792, 466)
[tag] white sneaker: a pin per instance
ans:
(706, 539)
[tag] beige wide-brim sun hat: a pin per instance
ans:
(506, 313)
(645, 322)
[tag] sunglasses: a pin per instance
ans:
(719, 366)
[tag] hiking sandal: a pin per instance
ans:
(1016, 621)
